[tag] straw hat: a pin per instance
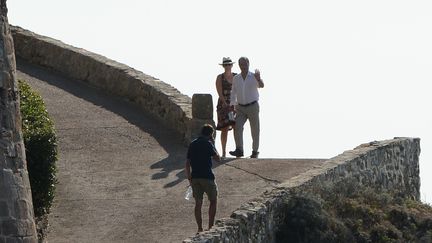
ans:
(226, 61)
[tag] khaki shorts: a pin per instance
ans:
(199, 186)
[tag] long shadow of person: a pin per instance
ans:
(181, 175)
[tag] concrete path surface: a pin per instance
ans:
(120, 173)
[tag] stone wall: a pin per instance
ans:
(155, 97)
(16, 208)
(390, 164)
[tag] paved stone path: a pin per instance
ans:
(120, 173)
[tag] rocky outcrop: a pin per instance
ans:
(16, 208)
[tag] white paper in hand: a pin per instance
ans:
(188, 194)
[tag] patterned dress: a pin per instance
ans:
(222, 112)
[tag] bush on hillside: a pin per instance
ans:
(41, 148)
(348, 213)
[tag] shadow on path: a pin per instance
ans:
(167, 138)
(181, 175)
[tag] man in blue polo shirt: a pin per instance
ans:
(199, 158)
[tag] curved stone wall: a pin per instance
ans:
(390, 164)
(155, 97)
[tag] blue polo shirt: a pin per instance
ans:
(200, 154)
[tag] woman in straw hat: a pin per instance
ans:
(223, 86)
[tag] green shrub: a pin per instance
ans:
(307, 221)
(41, 148)
(350, 213)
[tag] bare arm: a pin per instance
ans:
(260, 83)
(219, 89)
(259, 79)
(216, 155)
(188, 170)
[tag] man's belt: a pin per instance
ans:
(248, 104)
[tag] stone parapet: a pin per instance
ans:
(389, 165)
(157, 98)
(202, 106)
(202, 113)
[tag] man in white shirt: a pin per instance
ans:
(244, 95)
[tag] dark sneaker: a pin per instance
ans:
(254, 154)
(237, 153)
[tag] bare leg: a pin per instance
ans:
(198, 218)
(224, 136)
(212, 212)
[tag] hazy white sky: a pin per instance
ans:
(337, 73)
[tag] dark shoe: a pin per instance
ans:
(254, 154)
(237, 153)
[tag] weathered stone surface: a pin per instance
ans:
(389, 165)
(4, 209)
(17, 240)
(202, 106)
(22, 209)
(16, 218)
(9, 227)
(155, 97)
(195, 126)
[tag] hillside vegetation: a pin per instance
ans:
(349, 213)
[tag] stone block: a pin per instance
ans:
(4, 209)
(1, 80)
(9, 227)
(22, 209)
(195, 126)
(17, 229)
(7, 177)
(202, 106)
(2, 162)
(29, 240)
